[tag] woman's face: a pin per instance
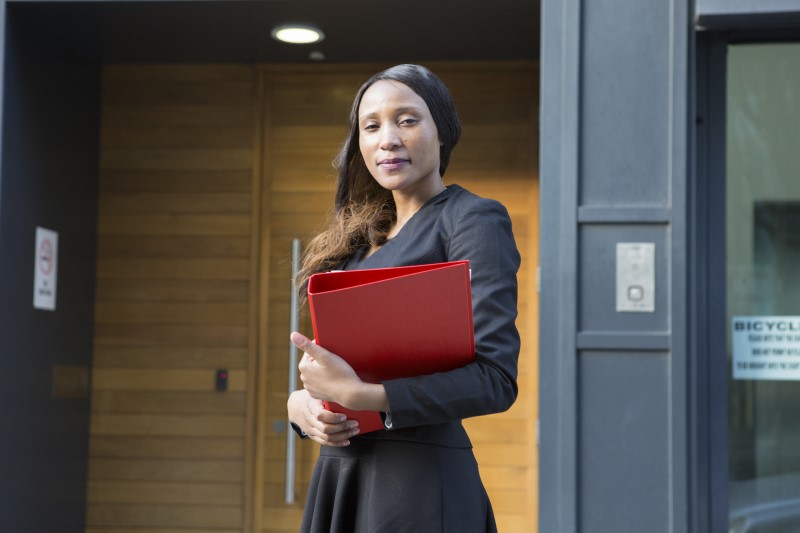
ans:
(398, 138)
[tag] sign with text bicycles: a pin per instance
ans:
(766, 347)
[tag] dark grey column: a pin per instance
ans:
(615, 134)
(48, 178)
(2, 86)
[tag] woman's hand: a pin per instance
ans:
(321, 425)
(326, 376)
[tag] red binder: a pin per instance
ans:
(394, 322)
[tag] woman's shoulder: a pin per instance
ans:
(464, 202)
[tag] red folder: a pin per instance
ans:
(391, 323)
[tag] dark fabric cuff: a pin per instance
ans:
(299, 431)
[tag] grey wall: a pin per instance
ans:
(48, 178)
(615, 424)
(2, 86)
(747, 14)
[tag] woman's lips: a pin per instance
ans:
(392, 164)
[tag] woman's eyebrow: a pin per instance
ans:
(406, 109)
(397, 111)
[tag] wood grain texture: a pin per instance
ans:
(127, 492)
(165, 447)
(197, 516)
(173, 300)
(207, 173)
(178, 470)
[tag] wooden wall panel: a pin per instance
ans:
(303, 131)
(174, 300)
(207, 174)
(497, 158)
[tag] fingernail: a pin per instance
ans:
(352, 424)
(342, 418)
(345, 443)
(298, 338)
(355, 432)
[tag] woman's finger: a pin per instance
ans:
(333, 436)
(309, 347)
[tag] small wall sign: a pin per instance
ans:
(766, 347)
(45, 269)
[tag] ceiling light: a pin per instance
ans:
(297, 34)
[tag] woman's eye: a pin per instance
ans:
(370, 127)
(408, 121)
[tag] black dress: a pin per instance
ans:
(421, 475)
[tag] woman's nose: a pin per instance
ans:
(389, 138)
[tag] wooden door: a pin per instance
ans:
(175, 301)
(305, 123)
(207, 174)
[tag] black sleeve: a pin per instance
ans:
(300, 432)
(482, 234)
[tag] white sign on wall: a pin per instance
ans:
(766, 347)
(45, 269)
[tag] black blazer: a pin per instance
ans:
(452, 226)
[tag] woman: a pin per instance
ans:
(392, 209)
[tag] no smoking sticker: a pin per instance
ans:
(45, 268)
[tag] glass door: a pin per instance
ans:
(763, 286)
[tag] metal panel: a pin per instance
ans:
(636, 277)
(717, 384)
(680, 127)
(739, 7)
(645, 341)
(622, 142)
(740, 14)
(706, 303)
(597, 310)
(558, 151)
(625, 102)
(625, 442)
(640, 214)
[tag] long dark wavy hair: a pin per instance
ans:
(364, 212)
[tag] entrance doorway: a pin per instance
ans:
(763, 289)
(208, 172)
(173, 96)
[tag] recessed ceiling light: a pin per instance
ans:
(297, 34)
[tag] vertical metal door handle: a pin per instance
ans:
(293, 326)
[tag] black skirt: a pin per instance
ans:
(377, 485)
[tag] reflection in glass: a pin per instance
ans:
(763, 277)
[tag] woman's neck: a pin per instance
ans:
(407, 205)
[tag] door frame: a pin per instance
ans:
(708, 263)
